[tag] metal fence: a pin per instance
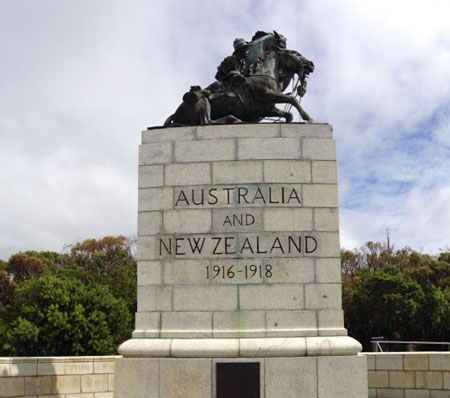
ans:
(381, 345)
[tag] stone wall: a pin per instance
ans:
(409, 375)
(57, 377)
(390, 375)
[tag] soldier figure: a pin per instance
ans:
(235, 68)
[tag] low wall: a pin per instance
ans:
(390, 375)
(57, 377)
(409, 375)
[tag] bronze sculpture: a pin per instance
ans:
(248, 85)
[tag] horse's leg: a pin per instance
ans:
(275, 112)
(280, 98)
(202, 111)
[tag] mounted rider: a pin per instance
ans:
(231, 73)
(233, 69)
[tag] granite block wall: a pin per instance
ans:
(57, 377)
(390, 375)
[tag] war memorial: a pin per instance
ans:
(239, 281)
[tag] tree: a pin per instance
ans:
(350, 262)
(383, 303)
(81, 302)
(109, 261)
(58, 314)
(445, 256)
(7, 288)
(3, 265)
(401, 295)
(30, 264)
(373, 255)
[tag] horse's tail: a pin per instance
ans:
(169, 120)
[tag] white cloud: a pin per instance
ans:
(81, 79)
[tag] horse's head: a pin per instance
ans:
(293, 61)
(263, 41)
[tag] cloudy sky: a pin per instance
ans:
(80, 79)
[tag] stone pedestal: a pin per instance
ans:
(239, 283)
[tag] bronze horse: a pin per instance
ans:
(251, 101)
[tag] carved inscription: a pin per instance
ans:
(249, 271)
(239, 220)
(237, 230)
(240, 195)
(244, 246)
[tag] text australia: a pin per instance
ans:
(249, 195)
